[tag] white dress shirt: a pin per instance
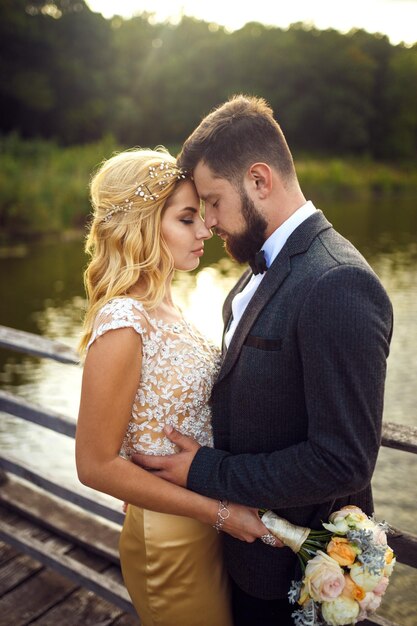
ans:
(272, 247)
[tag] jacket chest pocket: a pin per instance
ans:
(261, 361)
(263, 344)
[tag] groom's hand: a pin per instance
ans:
(173, 467)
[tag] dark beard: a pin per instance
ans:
(244, 246)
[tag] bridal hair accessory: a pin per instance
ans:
(164, 171)
(222, 515)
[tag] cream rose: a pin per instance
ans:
(340, 611)
(346, 518)
(362, 577)
(324, 578)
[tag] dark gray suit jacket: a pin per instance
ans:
(297, 406)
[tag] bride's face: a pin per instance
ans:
(183, 228)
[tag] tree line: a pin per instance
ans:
(72, 76)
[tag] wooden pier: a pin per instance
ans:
(31, 593)
(59, 561)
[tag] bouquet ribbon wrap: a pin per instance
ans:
(291, 535)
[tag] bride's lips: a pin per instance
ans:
(198, 252)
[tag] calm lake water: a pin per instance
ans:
(42, 292)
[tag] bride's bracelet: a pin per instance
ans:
(222, 515)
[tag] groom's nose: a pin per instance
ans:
(209, 218)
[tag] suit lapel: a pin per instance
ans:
(240, 285)
(265, 291)
(298, 242)
(227, 307)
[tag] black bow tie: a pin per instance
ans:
(258, 264)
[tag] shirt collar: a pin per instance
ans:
(275, 242)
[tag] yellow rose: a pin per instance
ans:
(389, 555)
(341, 551)
(389, 567)
(390, 561)
(352, 590)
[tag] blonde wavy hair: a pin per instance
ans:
(125, 240)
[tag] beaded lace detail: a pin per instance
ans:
(178, 370)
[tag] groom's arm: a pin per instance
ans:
(344, 331)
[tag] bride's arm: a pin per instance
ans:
(111, 377)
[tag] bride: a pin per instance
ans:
(147, 368)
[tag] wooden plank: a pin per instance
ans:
(64, 565)
(399, 437)
(6, 553)
(404, 546)
(63, 519)
(9, 463)
(34, 532)
(3, 477)
(36, 345)
(34, 597)
(17, 570)
(80, 608)
(10, 403)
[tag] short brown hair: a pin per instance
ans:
(233, 136)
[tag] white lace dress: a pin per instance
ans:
(178, 370)
(169, 562)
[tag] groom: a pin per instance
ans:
(297, 406)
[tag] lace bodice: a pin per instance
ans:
(178, 370)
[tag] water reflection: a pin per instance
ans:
(43, 293)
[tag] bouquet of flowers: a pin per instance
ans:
(346, 567)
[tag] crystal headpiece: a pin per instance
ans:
(164, 172)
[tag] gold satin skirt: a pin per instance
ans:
(173, 570)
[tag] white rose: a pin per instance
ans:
(340, 611)
(339, 526)
(362, 577)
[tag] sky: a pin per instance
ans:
(395, 18)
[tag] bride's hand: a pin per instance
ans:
(244, 523)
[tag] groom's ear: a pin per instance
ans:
(259, 180)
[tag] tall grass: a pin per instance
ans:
(356, 179)
(44, 187)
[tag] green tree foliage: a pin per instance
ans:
(53, 60)
(70, 75)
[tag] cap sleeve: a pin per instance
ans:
(119, 313)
